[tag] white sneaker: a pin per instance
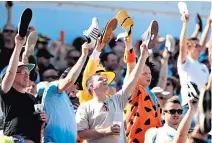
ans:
(193, 91)
(92, 33)
(150, 34)
(170, 43)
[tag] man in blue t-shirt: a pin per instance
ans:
(61, 127)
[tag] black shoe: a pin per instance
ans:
(205, 111)
(24, 23)
(199, 21)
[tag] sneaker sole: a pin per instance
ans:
(154, 31)
(199, 21)
(204, 109)
(24, 23)
(205, 99)
(205, 123)
(110, 27)
(31, 42)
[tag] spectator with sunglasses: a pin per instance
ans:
(173, 128)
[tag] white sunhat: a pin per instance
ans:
(156, 90)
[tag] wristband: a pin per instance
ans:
(130, 56)
(95, 55)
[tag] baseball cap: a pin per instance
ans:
(20, 64)
(156, 90)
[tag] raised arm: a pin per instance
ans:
(73, 74)
(196, 31)
(205, 33)
(129, 57)
(93, 62)
(9, 12)
(164, 70)
(183, 46)
(9, 77)
(182, 130)
(130, 84)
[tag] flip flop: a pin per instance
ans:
(24, 23)
(150, 34)
(199, 21)
(182, 6)
(31, 42)
(110, 27)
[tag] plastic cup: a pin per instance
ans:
(38, 108)
(117, 123)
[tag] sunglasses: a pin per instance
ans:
(51, 76)
(23, 73)
(173, 111)
(8, 31)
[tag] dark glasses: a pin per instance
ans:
(173, 111)
(8, 31)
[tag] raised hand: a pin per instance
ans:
(128, 41)
(185, 17)
(85, 49)
(144, 51)
(19, 41)
(100, 45)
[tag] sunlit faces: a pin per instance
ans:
(146, 76)
(173, 113)
(194, 48)
(99, 83)
(31, 88)
(22, 76)
(8, 32)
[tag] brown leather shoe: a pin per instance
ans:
(110, 27)
(150, 34)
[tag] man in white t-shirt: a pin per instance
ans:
(95, 118)
(189, 68)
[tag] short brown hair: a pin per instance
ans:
(89, 80)
(190, 41)
(173, 99)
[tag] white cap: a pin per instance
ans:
(156, 90)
